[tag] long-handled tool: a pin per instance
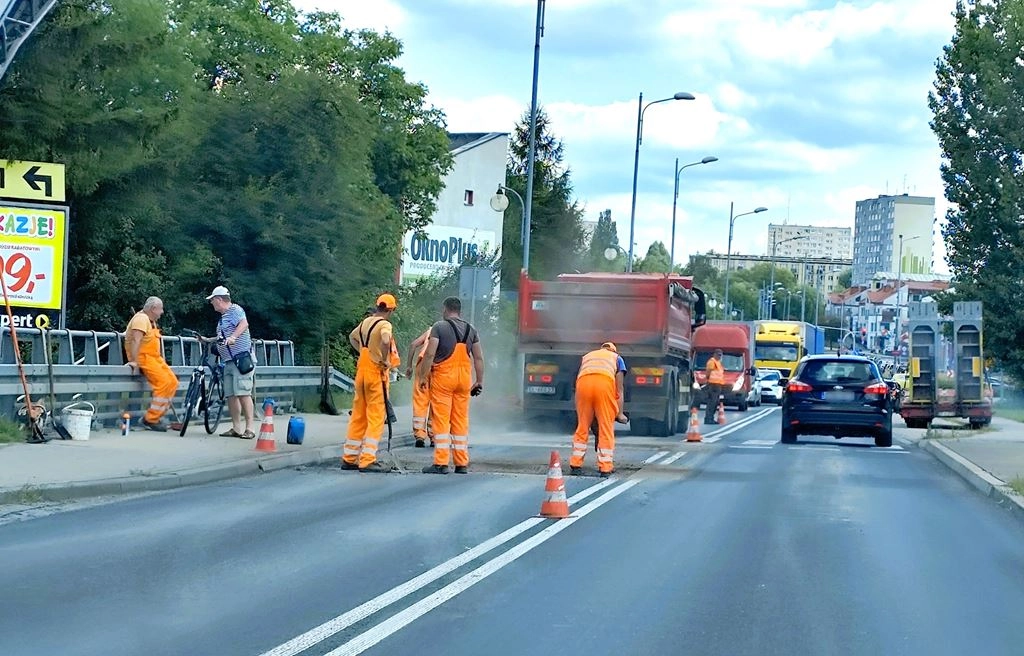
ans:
(390, 418)
(35, 435)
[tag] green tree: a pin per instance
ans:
(845, 279)
(978, 117)
(556, 230)
(656, 260)
(704, 273)
(604, 237)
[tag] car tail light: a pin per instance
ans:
(797, 386)
(877, 388)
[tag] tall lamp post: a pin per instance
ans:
(641, 108)
(531, 154)
(899, 292)
(775, 246)
(499, 203)
(728, 249)
(675, 199)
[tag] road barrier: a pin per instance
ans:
(62, 363)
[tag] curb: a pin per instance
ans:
(980, 479)
(186, 477)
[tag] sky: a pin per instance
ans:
(810, 105)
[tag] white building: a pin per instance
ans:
(879, 222)
(464, 222)
(814, 242)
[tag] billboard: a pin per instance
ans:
(33, 261)
(442, 248)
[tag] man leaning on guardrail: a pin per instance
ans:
(142, 345)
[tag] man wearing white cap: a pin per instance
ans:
(235, 346)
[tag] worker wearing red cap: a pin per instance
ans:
(377, 356)
(599, 394)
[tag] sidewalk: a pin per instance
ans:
(987, 459)
(109, 463)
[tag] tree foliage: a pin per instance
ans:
(604, 237)
(978, 117)
(226, 141)
(656, 260)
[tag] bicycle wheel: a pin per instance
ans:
(214, 405)
(191, 399)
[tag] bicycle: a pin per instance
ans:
(200, 397)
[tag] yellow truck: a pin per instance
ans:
(781, 344)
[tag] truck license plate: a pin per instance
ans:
(539, 389)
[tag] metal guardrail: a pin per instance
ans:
(61, 363)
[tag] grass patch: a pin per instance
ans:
(28, 496)
(1016, 414)
(10, 431)
(1017, 485)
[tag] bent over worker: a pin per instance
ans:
(143, 346)
(599, 394)
(421, 428)
(373, 339)
(716, 381)
(446, 363)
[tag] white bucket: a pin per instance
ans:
(78, 422)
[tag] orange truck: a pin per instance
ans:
(736, 339)
(650, 318)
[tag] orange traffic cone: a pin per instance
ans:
(693, 435)
(266, 440)
(721, 413)
(555, 504)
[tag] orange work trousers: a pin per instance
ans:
(420, 409)
(368, 413)
(595, 398)
(163, 382)
(449, 407)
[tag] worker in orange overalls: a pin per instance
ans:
(599, 393)
(377, 356)
(716, 383)
(447, 367)
(421, 428)
(143, 345)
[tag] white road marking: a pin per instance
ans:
(656, 456)
(747, 446)
(397, 622)
(710, 440)
(761, 442)
(728, 430)
(813, 447)
(669, 460)
(361, 612)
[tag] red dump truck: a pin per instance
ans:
(736, 339)
(650, 318)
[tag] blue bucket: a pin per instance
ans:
(296, 430)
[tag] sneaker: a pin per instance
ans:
(575, 471)
(432, 445)
(420, 444)
(462, 469)
(607, 474)
(435, 469)
(349, 465)
(375, 468)
(158, 426)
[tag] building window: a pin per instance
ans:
(468, 198)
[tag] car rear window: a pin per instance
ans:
(837, 371)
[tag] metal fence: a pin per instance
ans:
(62, 363)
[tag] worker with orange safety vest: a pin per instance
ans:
(599, 394)
(377, 356)
(143, 345)
(716, 382)
(452, 358)
(421, 429)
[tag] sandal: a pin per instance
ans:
(247, 435)
(231, 432)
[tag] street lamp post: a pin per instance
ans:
(531, 155)
(728, 248)
(675, 198)
(499, 203)
(775, 246)
(641, 108)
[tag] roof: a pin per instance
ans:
(927, 286)
(838, 298)
(460, 142)
(911, 277)
(880, 295)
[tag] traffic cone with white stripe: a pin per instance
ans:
(721, 414)
(266, 442)
(555, 504)
(693, 434)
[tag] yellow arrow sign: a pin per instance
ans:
(42, 181)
